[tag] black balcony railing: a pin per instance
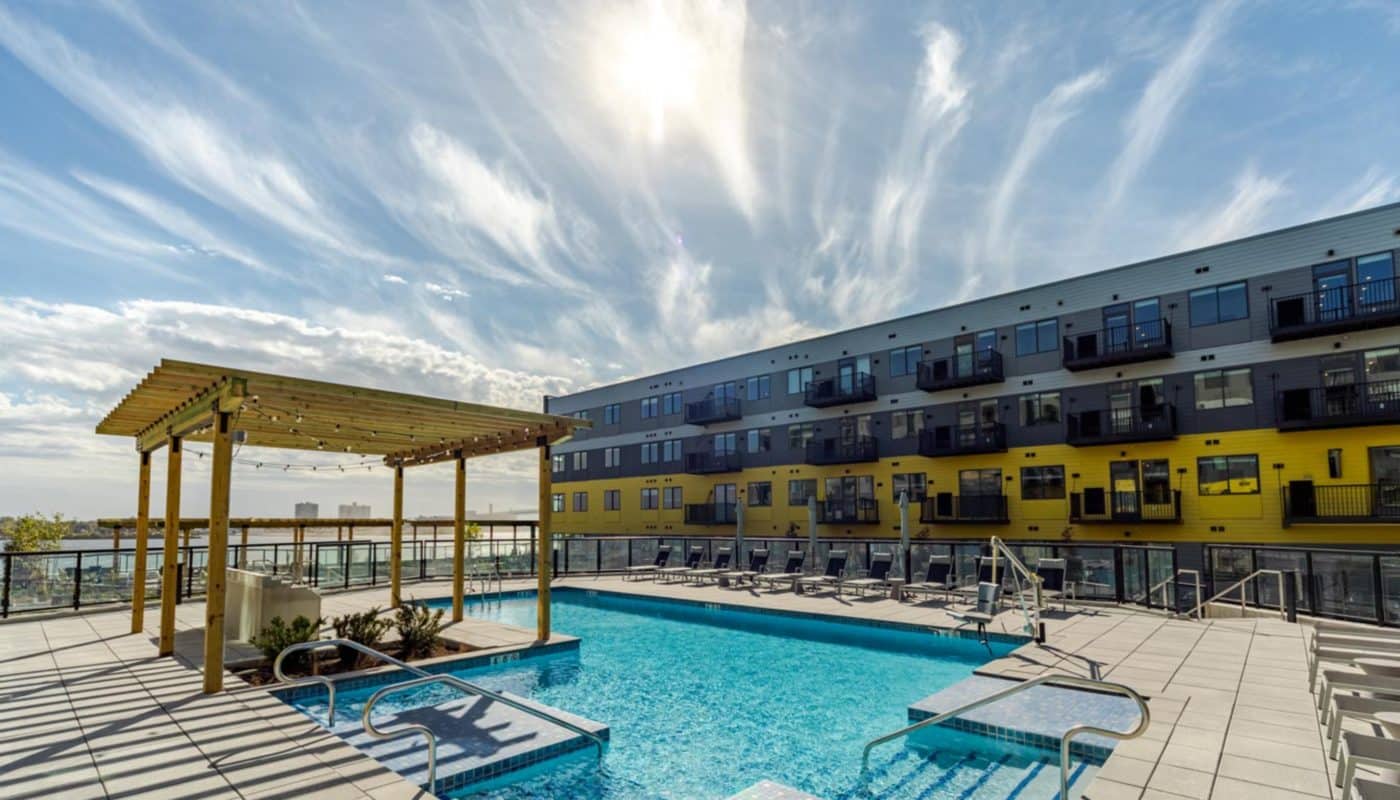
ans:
(707, 463)
(1371, 403)
(946, 507)
(1304, 501)
(957, 440)
(1351, 307)
(1119, 344)
(964, 369)
(710, 514)
(1121, 425)
(712, 409)
(842, 451)
(856, 387)
(1100, 505)
(856, 511)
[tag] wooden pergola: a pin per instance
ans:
(180, 401)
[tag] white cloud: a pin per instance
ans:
(1242, 214)
(448, 293)
(1375, 188)
(389, 277)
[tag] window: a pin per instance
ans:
(649, 450)
(1043, 483)
(906, 424)
(760, 387)
(979, 482)
(556, 502)
(1219, 304)
(671, 450)
(800, 490)
(612, 414)
(760, 494)
(1382, 365)
(649, 499)
(580, 501)
(1037, 337)
(581, 459)
(612, 457)
(905, 360)
(724, 443)
(671, 497)
(671, 403)
(1228, 475)
(915, 483)
(651, 407)
(559, 462)
(798, 380)
(760, 440)
(800, 435)
(1224, 388)
(1042, 408)
(581, 414)
(1375, 282)
(612, 500)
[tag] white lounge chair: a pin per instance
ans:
(1363, 789)
(792, 571)
(1350, 706)
(1326, 647)
(1335, 680)
(719, 565)
(939, 578)
(663, 554)
(877, 577)
(1370, 751)
(692, 561)
(835, 568)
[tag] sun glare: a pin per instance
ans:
(654, 69)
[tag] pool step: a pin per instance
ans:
(965, 769)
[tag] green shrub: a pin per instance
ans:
(278, 636)
(418, 630)
(366, 628)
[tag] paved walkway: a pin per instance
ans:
(88, 710)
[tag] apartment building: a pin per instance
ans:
(1246, 392)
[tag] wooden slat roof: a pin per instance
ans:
(300, 414)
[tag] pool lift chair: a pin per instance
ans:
(1051, 572)
(792, 571)
(692, 561)
(835, 569)
(720, 565)
(663, 554)
(877, 577)
(758, 562)
(988, 601)
(938, 579)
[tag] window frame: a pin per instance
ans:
(903, 477)
(794, 483)
(765, 494)
(1040, 418)
(650, 498)
(1040, 477)
(800, 373)
(1034, 328)
(612, 499)
(900, 356)
(580, 502)
(1215, 303)
(672, 497)
(556, 502)
(1224, 400)
(1229, 475)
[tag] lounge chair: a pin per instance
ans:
(984, 575)
(874, 578)
(720, 564)
(938, 579)
(663, 554)
(758, 561)
(988, 603)
(835, 568)
(1363, 789)
(792, 570)
(1327, 647)
(1370, 751)
(1051, 572)
(1334, 680)
(692, 561)
(1350, 706)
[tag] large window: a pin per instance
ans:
(1382, 366)
(905, 360)
(1037, 337)
(671, 497)
(979, 482)
(1219, 475)
(1375, 281)
(1224, 388)
(914, 483)
(723, 443)
(580, 501)
(612, 414)
(651, 407)
(798, 379)
(581, 459)
(649, 453)
(558, 462)
(1222, 303)
(1042, 408)
(649, 499)
(800, 490)
(760, 440)
(760, 494)
(800, 435)
(760, 387)
(556, 502)
(1043, 483)
(671, 450)
(671, 403)
(612, 457)
(612, 499)
(906, 424)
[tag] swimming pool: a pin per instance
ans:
(704, 701)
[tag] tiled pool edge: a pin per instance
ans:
(1051, 744)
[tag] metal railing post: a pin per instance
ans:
(5, 592)
(78, 581)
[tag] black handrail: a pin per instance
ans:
(949, 507)
(859, 510)
(952, 440)
(855, 387)
(1304, 501)
(1127, 424)
(710, 514)
(712, 409)
(841, 450)
(1366, 403)
(962, 369)
(709, 462)
(1347, 307)
(1118, 344)
(1124, 507)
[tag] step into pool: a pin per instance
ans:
(704, 700)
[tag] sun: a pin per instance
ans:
(652, 68)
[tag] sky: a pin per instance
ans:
(496, 201)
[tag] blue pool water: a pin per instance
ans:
(706, 701)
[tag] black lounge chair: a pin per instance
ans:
(692, 561)
(663, 554)
(939, 578)
(835, 568)
(720, 565)
(877, 577)
(792, 571)
(758, 561)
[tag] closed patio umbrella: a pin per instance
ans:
(903, 535)
(739, 535)
(812, 531)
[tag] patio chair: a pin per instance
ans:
(877, 577)
(984, 575)
(835, 568)
(1328, 648)
(719, 565)
(1359, 750)
(939, 578)
(988, 603)
(1350, 706)
(1051, 572)
(663, 554)
(692, 561)
(792, 570)
(1363, 789)
(758, 561)
(1335, 680)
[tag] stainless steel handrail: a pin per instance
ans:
(1163, 584)
(423, 678)
(1145, 718)
(1239, 584)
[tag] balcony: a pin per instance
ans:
(708, 463)
(712, 409)
(1305, 502)
(842, 451)
(860, 511)
(960, 440)
(840, 390)
(1095, 505)
(710, 514)
(1121, 344)
(1352, 307)
(948, 508)
(959, 371)
(1345, 406)
(1121, 425)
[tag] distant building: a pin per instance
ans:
(308, 511)
(354, 511)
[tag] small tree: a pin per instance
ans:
(35, 532)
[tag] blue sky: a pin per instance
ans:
(493, 201)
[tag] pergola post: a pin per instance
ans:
(298, 560)
(396, 539)
(243, 551)
(459, 538)
(218, 554)
(544, 551)
(143, 527)
(170, 560)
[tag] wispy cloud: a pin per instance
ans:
(1376, 187)
(1241, 214)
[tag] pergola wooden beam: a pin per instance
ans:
(192, 415)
